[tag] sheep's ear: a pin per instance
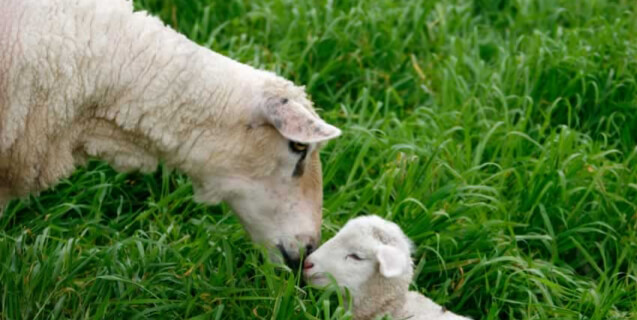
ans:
(297, 123)
(391, 261)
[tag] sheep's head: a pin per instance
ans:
(265, 164)
(367, 249)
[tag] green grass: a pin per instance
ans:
(500, 134)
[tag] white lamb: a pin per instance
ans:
(371, 257)
(92, 78)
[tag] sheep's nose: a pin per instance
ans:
(293, 263)
(292, 260)
(309, 242)
(294, 252)
(307, 264)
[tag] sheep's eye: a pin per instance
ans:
(298, 147)
(355, 257)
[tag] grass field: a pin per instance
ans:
(500, 134)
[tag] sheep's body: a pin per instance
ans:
(92, 78)
(77, 84)
(371, 257)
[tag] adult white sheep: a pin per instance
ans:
(91, 78)
(371, 257)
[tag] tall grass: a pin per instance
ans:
(501, 135)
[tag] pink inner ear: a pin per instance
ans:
(296, 123)
(392, 262)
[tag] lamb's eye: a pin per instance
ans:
(355, 257)
(298, 147)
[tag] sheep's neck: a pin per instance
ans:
(166, 91)
(183, 87)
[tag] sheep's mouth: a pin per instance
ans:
(293, 263)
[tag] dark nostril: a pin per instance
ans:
(292, 262)
(307, 264)
(282, 250)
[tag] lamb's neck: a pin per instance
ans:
(378, 298)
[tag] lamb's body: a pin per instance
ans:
(372, 258)
(92, 78)
(419, 307)
(409, 306)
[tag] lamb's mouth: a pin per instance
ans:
(316, 278)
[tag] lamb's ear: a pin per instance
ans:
(392, 261)
(298, 124)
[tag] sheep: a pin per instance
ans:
(371, 257)
(84, 79)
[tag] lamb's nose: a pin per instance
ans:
(307, 264)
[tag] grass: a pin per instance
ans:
(500, 134)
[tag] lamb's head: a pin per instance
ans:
(369, 253)
(266, 166)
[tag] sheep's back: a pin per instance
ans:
(52, 59)
(60, 61)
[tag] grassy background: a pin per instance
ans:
(500, 134)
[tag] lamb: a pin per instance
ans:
(92, 78)
(370, 257)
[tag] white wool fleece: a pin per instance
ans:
(92, 78)
(371, 257)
